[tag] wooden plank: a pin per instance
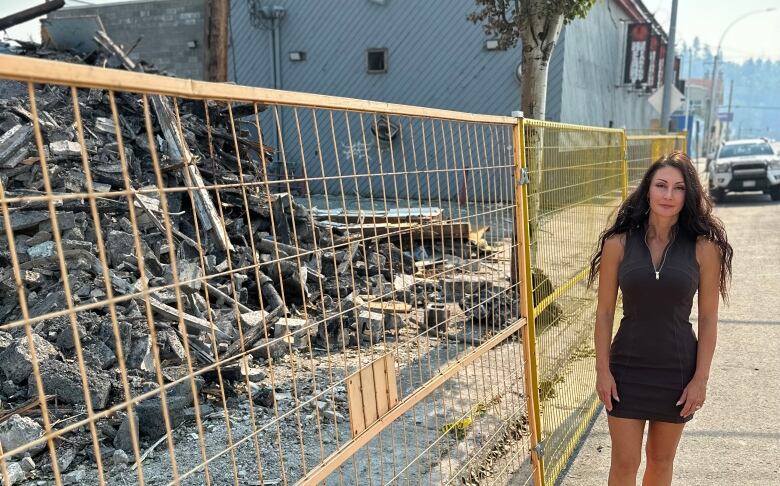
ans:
(52, 72)
(390, 307)
(367, 391)
(355, 401)
(392, 383)
(253, 334)
(415, 230)
(380, 386)
(178, 150)
(347, 450)
(192, 323)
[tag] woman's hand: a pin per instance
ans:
(606, 388)
(693, 396)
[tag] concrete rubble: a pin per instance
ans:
(313, 279)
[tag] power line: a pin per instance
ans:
(756, 107)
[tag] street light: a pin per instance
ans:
(715, 70)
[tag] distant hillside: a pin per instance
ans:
(756, 99)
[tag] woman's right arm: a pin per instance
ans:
(611, 256)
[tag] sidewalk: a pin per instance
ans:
(735, 438)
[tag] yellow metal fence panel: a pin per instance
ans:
(216, 284)
(577, 180)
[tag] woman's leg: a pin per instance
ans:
(662, 440)
(626, 437)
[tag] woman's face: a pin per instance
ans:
(667, 192)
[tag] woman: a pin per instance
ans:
(664, 246)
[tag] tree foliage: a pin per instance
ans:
(511, 20)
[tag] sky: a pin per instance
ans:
(756, 36)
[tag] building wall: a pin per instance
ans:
(436, 58)
(165, 25)
(592, 70)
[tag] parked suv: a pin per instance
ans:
(745, 165)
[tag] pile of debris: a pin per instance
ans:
(306, 278)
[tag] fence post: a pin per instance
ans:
(524, 275)
(624, 157)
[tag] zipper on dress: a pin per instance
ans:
(663, 259)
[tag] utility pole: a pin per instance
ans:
(728, 114)
(688, 100)
(715, 70)
(217, 49)
(669, 70)
(30, 13)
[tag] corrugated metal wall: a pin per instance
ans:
(592, 68)
(436, 58)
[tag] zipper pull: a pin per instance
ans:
(657, 275)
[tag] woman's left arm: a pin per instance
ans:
(708, 256)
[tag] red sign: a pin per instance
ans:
(676, 70)
(637, 49)
(661, 63)
(654, 59)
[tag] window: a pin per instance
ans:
(745, 149)
(377, 61)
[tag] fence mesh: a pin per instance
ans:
(215, 284)
(221, 289)
(576, 176)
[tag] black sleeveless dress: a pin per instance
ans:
(653, 355)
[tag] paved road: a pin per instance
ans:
(735, 439)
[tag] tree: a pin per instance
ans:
(537, 23)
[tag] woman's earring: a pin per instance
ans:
(648, 210)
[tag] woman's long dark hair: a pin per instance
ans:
(695, 219)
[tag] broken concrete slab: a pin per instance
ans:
(13, 145)
(98, 355)
(394, 321)
(253, 318)
(436, 316)
(22, 220)
(16, 360)
(123, 440)
(290, 325)
(252, 373)
(64, 380)
(140, 356)
(41, 250)
(369, 321)
(65, 340)
(270, 349)
(150, 415)
(18, 431)
(65, 148)
(105, 125)
(66, 220)
(27, 464)
(16, 473)
(6, 339)
(190, 276)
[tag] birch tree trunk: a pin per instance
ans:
(539, 32)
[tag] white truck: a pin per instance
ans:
(745, 165)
